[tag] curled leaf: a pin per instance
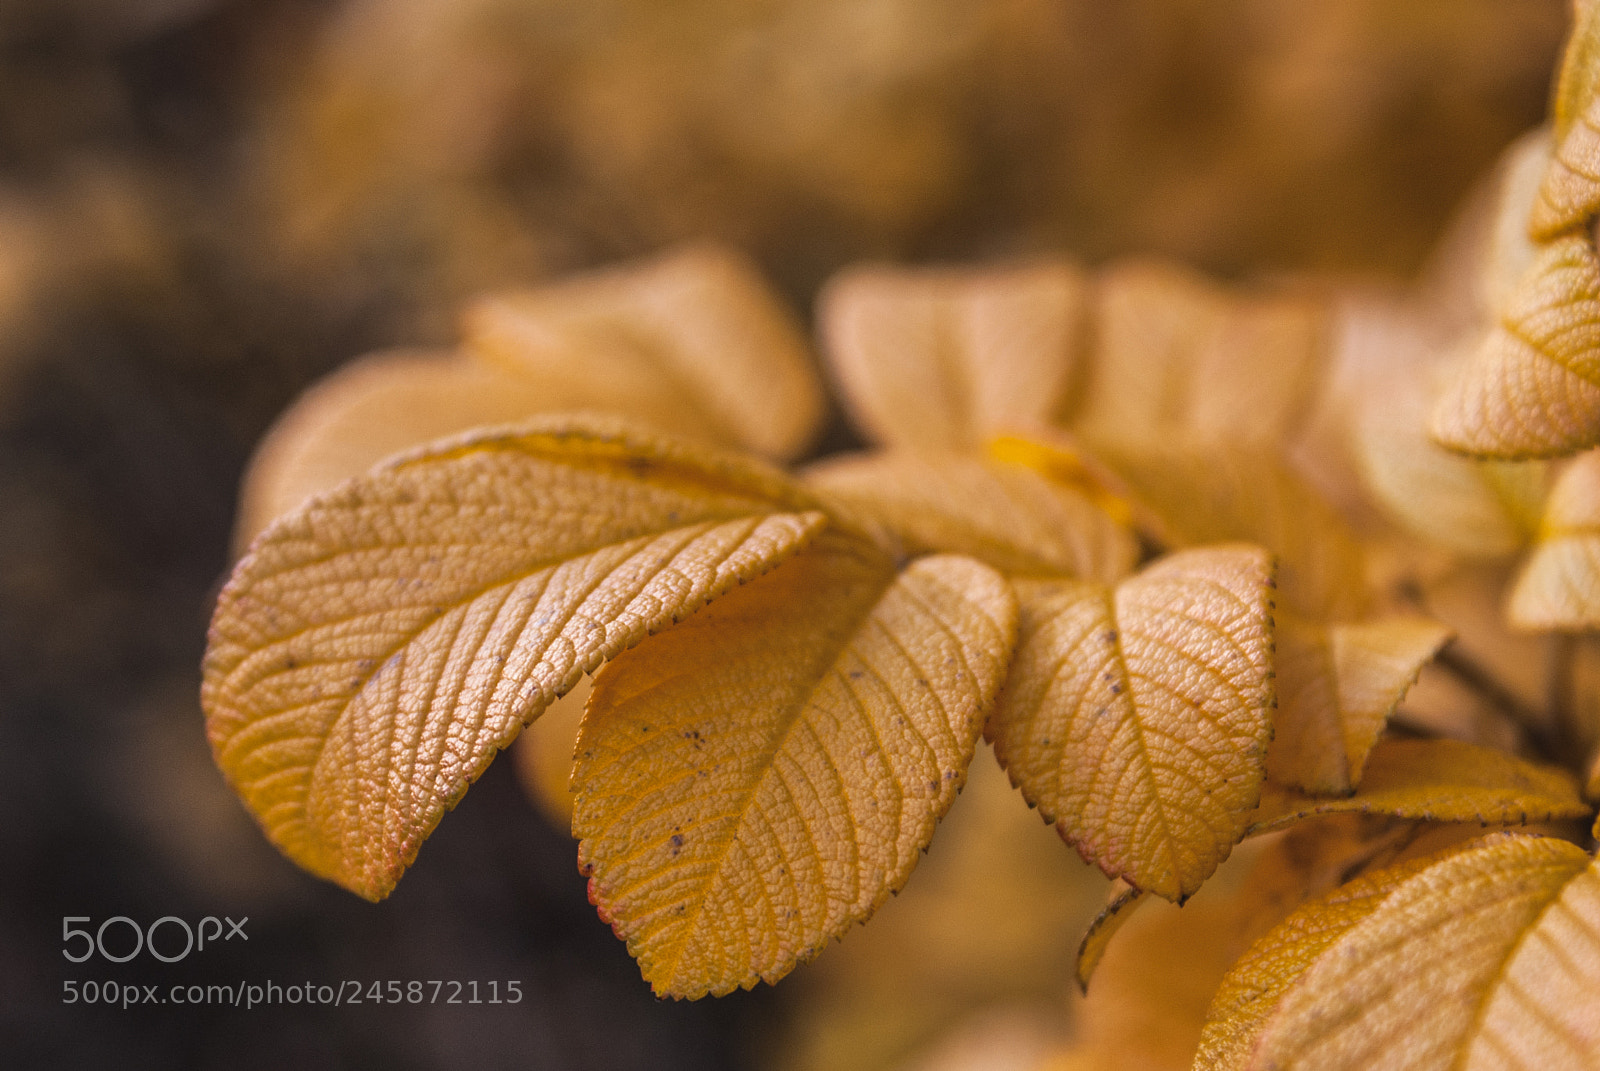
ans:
(1440, 781)
(379, 645)
(762, 776)
(944, 358)
(1559, 585)
(693, 343)
(1532, 388)
(1125, 900)
(1006, 515)
(1135, 718)
(1337, 686)
(1488, 958)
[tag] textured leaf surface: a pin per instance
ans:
(943, 359)
(1009, 516)
(379, 645)
(1559, 586)
(1337, 685)
(1532, 388)
(693, 343)
(1178, 355)
(370, 409)
(763, 775)
(1437, 780)
(1135, 718)
(1570, 194)
(1487, 959)
(1253, 987)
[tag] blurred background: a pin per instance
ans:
(206, 204)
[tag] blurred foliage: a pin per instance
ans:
(205, 204)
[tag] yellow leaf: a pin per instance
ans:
(1570, 194)
(1559, 585)
(370, 409)
(755, 780)
(693, 343)
(1177, 355)
(1150, 993)
(989, 920)
(1440, 781)
(1125, 900)
(1509, 250)
(944, 358)
(1223, 494)
(1532, 388)
(1008, 516)
(1135, 718)
(1253, 986)
(1054, 453)
(1337, 686)
(1470, 506)
(1580, 67)
(1489, 958)
(376, 647)
(1308, 859)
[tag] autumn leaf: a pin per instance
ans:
(989, 921)
(1135, 717)
(945, 358)
(1559, 585)
(1487, 958)
(1252, 988)
(1570, 193)
(1124, 901)
(1341, 670)
(1224, 493)
(376, 647)
(1308, 859)
(765, 774)
(370, 409)
(1150, 992)
(1532, 388)
(1178, 356)
(1436, 780)
(1006, 515)
(1470, 506)
(1337, 685)
(693, 343)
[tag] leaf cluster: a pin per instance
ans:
(1171, 548)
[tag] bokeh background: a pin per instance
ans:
(206, 204)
